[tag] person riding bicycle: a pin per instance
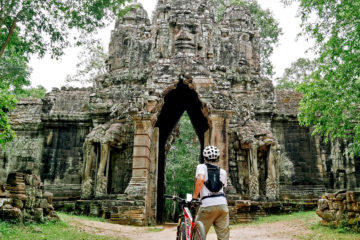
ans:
(210, 183)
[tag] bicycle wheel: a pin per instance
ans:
(198, 232)
(181, 232)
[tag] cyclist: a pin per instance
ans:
(210, 183)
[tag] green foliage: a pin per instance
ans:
(181, 163)
(32, 92)
(304, 215)
(7, 103)
(14, 70)
(297, 73)
(46, 25)
(268, 26)
(91, 63)
(331, 102)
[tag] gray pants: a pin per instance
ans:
(218, 216)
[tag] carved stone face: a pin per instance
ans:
(185, 36)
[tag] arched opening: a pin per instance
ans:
(182, 98)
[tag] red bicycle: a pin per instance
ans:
(187, 229)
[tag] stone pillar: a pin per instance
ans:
(141, 157)
(154, 155)
(253, 173)
(271, 181)
(218, 136)
(89, 159)
(101, 177)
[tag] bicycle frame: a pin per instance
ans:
(188, 219)
(189, 223)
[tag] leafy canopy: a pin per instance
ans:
(46, 25)
(40, 26)
(297, 73)
(268, 26)
(331, 100)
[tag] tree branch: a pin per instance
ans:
(11, 31)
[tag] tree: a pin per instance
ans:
(331, 102)
(181, 163)
(39, 26)
(91, 63)
(297, 73)
(268, 26)
(46, 25)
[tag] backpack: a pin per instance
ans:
(213, 183)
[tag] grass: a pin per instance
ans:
(61, 230)
(320, 232)
(307, 216)
(67, 217)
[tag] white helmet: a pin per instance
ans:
(212, 153)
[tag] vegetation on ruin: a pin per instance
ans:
(181, 163)
(269, 29)
(331, 102)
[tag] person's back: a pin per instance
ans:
(213, 209)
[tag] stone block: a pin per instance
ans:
(43, 203)
(4, 201)
(140, 173)
(39, 215)
(325, 215)
(18, 203)
(141, 152)
(323, 204)
(11, 214)
(140, 162)
(49, 197)
(22, 197)
(340, 197)
(349, 197)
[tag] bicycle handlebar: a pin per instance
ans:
(182, 200)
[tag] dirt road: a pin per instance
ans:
(282, 230)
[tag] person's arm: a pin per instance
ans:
(199, 184)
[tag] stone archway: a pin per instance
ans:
(177, 100)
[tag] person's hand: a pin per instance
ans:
(195, 200)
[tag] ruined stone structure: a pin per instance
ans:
(23, 199)
(339, 208)
(106, 146)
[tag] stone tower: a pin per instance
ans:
(184, 60)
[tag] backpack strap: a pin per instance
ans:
(214, 195)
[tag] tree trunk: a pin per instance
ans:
(8, 38)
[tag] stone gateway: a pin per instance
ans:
(102, 150)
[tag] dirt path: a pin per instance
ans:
(275, 231)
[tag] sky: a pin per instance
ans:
(51, 73)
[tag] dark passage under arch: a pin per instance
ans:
(176, 102)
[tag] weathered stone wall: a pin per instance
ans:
(24, 153)
(66, 122)
(308, 165)
(50, 136)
